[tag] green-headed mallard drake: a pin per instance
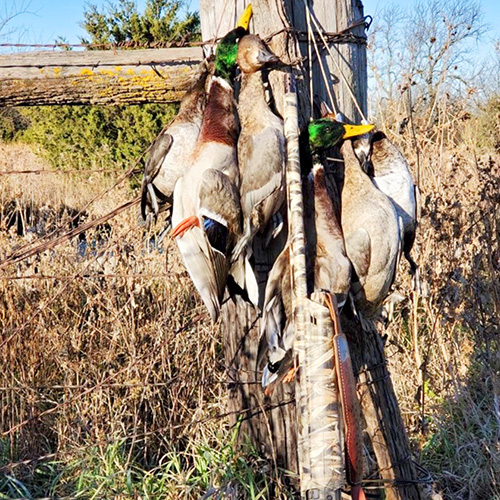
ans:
(261, 151)
(372, 236)
(167, 156)
(206, 214)
(328, 267)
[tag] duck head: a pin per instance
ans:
(327, 132)
(227, 50)
(253, 54)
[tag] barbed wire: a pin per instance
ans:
(74, 171)
(80, 276)
(124, 385)
(342, 36)
(24, 253)
(106, 46)
(248, 412)
(12, 333)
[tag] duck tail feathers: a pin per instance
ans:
(244, 277)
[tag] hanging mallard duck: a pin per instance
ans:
(389, 171)
(206, 215)
(328, 267)
(168, 155)
(261, 150)
(372, 237)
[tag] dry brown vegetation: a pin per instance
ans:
(106, 348)
(443, 345)
(440, 105)
(112, 379)
(110, 356)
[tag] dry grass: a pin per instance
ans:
(112, 382)
(111, 366)
(448, 380)
(110, 349)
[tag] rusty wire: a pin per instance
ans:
(342, 36)
(25, 253)
(105, 46)
(106, 381)
(122, 385)
(81, 276)
(51, 240)
(74, 171)
(248, 412)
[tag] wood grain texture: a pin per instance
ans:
(97, 77)
(384, 424)
(274, 431)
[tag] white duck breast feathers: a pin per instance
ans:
(392, 176)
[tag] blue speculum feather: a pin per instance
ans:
(217, 234)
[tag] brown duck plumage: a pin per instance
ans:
(372, 235)
(328, 268)
(207, 215)
(261, 146)
(168, 155)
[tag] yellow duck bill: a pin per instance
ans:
(244, 20)
(356, 130)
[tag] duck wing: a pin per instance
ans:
(277, 332)
(332, 268)
(261, 160)
(220, 207)
(206, 267)
(358, 246)
(205, 246)
(219, 200)
(157, 154)
(393, 177)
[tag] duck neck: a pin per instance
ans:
(193, 102)
(353, 173)
(219, 119)
(252, 100)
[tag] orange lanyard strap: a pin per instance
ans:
(347, 390)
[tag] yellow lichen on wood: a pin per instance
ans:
(60, 84)
(107, 72)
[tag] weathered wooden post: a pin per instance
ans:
(270, 422)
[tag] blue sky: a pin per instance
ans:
(48, 19)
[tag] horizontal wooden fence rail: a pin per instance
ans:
(97, 76)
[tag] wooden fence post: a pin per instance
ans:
(270, 422)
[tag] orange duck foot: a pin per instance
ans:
(290, 375)
(184, 225)
(357, 493)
